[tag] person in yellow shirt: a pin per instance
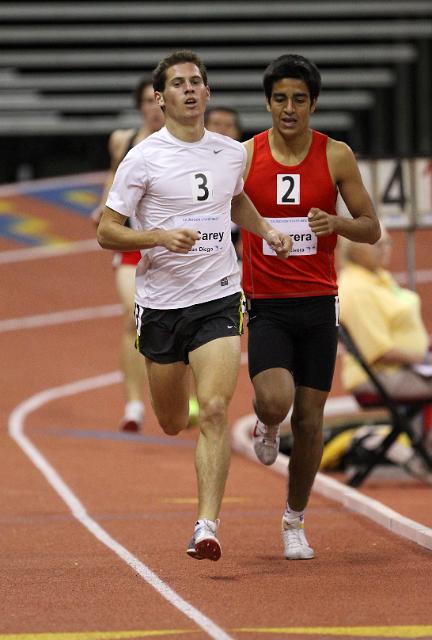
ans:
(384, 321)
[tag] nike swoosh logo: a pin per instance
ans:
(217, 151)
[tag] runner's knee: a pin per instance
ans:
(270, 407)
(213, 412)
(172, 424)
(172, 427)
(307, 427)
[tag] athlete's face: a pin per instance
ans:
(185, 95)
(223, 122)
(152, 113)
(290, 107)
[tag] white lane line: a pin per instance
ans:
(49, 251)
(16, 431)
(60, 317)
(330, 488)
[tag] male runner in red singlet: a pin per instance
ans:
(133, 367)
(293, 177)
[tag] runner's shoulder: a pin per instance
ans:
(340, 156)
(147, 146)
(339, 151)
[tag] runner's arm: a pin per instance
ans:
(246, 216)
(112, 234)
(364, 225)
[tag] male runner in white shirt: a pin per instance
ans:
(184, 184)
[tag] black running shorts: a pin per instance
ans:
(168, 335)
(297, 334)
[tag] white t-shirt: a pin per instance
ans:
(167, 183)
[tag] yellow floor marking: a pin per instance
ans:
(396, 633)
(412, 631)
(7, 207)
(98, 635)
(35, 227)
(86, 198)
(27, 225)
(226, 500)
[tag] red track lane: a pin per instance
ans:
(56, 577)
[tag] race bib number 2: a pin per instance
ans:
(288, 188)
(304, 239)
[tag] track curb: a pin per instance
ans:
(334, 490)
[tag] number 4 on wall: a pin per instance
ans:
(394, 192)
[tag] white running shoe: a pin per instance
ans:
(296, 547)
(266, 442)
(204, 543)
(133, 417)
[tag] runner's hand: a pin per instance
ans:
(320, 222)
(279, 242)
(179, 240)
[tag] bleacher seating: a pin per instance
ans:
(70, 68)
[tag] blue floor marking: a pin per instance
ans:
(8, 229)
(89, 434)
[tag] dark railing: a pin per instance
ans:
(68, 69)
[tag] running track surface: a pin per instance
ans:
(93, 541)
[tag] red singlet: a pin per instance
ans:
(126, 257)
(280, 191)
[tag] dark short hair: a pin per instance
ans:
(292, 66)
(178, 57)
(143, 83)
(229, 110)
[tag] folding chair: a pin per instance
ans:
(401, 414)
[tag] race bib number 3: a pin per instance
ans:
(288, 188)
(304, 240)
(202, 186)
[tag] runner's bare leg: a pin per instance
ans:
(169, 391)
(132, 362)
(306, 454)
(215, 367)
